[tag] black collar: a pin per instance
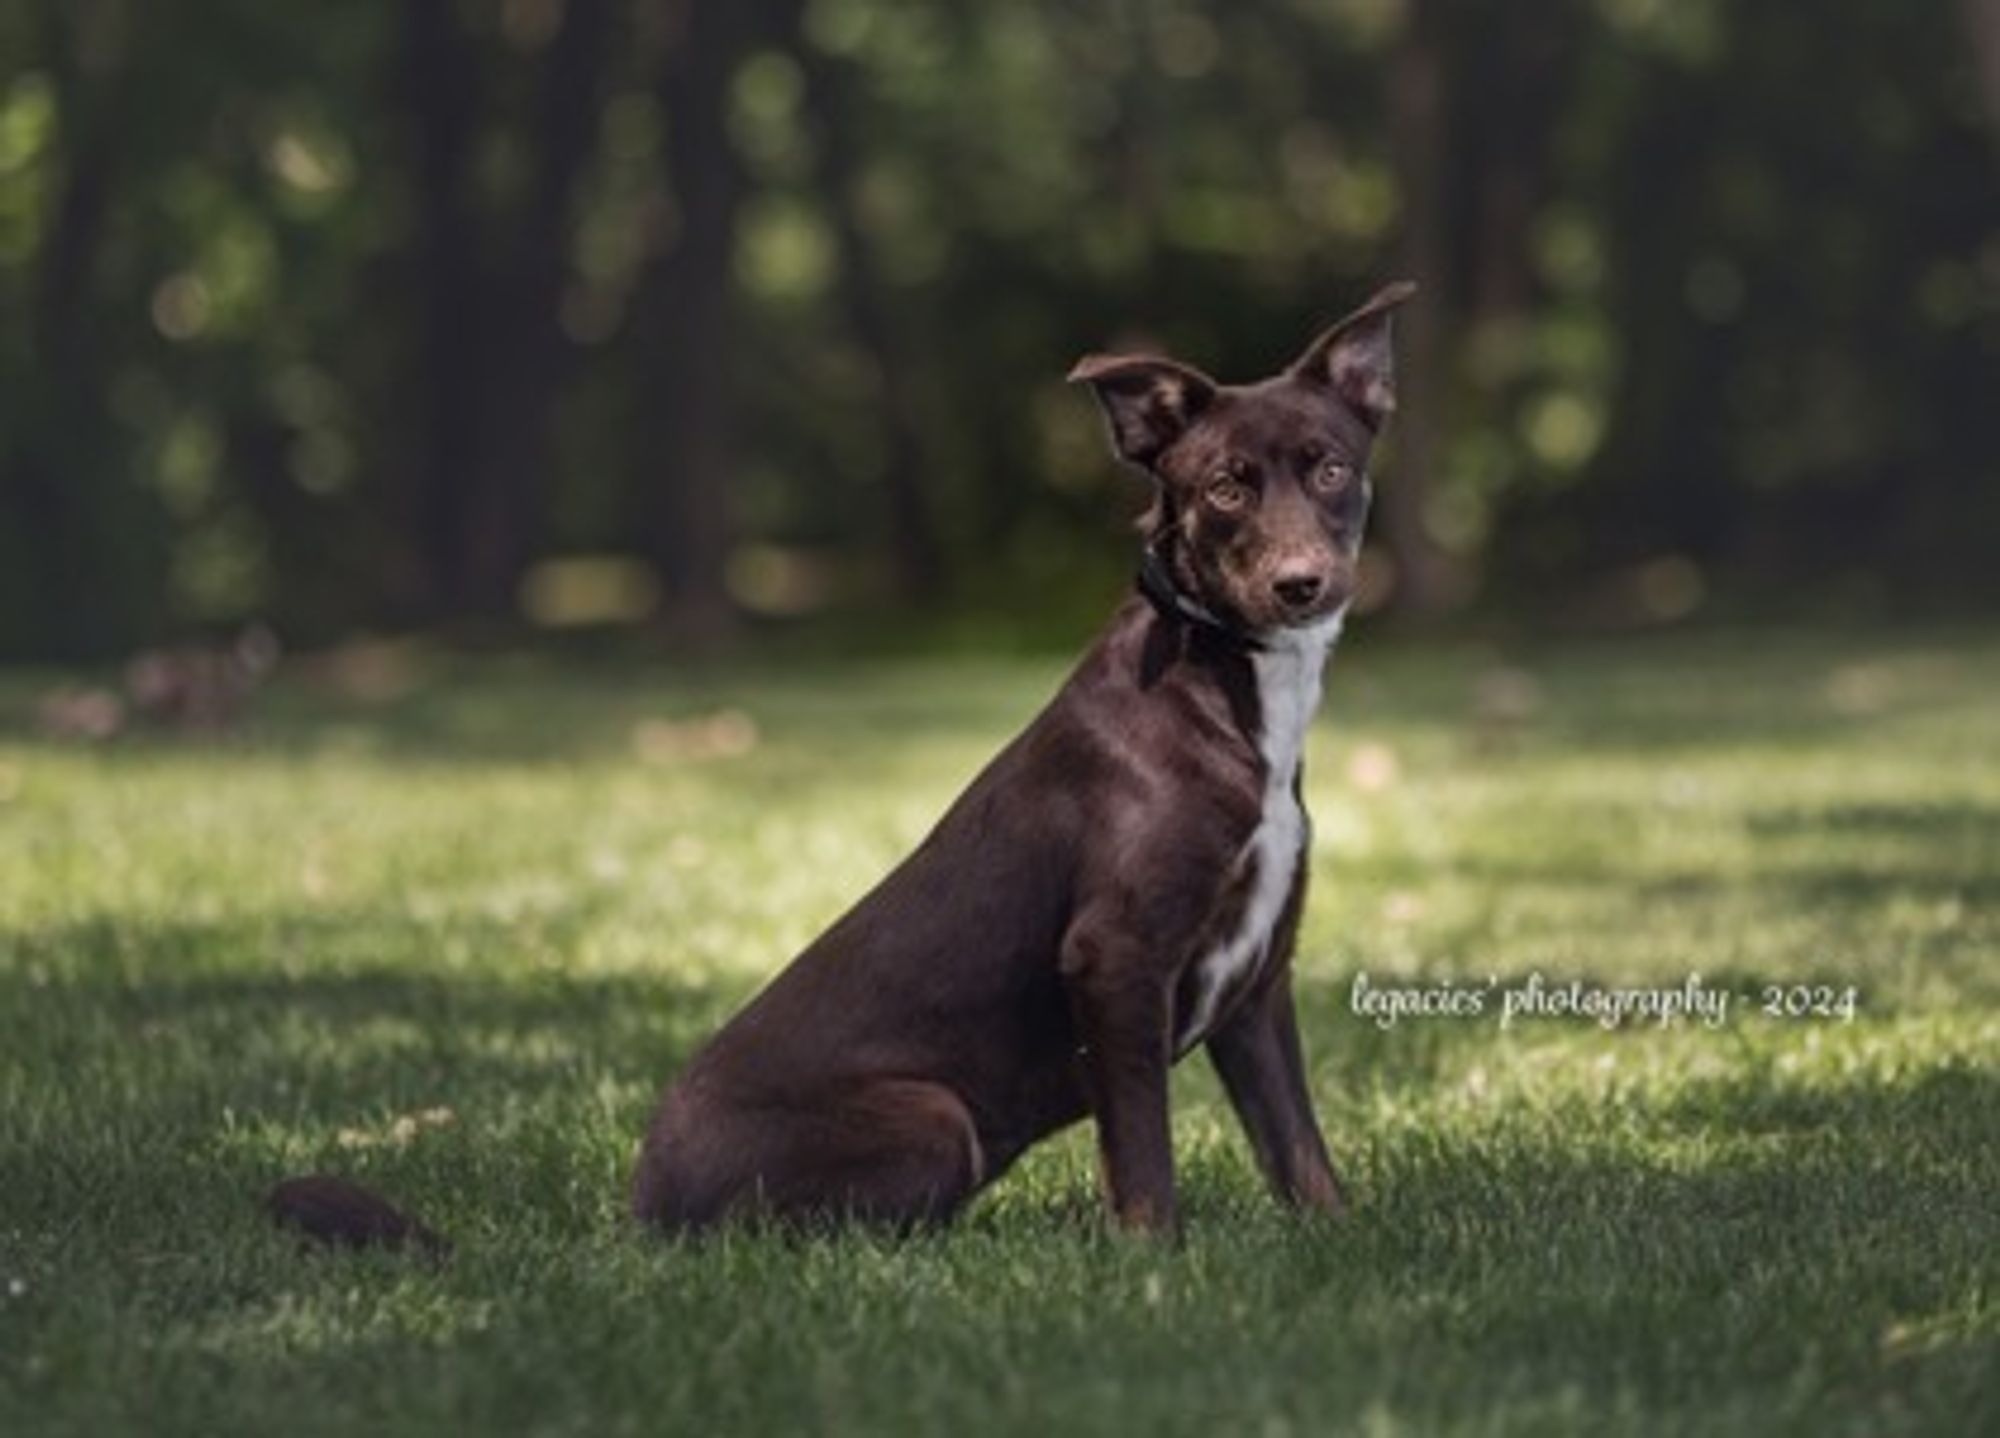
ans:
(1156, 582)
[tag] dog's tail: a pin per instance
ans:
(342, 1214)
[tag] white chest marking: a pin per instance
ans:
(1288, 673)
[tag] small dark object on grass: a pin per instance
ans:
(346, 1215)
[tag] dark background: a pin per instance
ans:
(495, 317)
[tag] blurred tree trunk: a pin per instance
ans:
(494, 354)
(531, 354)
(1428, 580)
(685, 314)
(1982, 30)
(85, 547)
(914, 551)
(1514, 95)
(441, 93)
(259, 445)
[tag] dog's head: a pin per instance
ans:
(1261, 489)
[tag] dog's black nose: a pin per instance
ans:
(1297, 590)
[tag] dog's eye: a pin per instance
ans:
(1226, 491)
(1331, 476)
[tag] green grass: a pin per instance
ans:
(451, 940)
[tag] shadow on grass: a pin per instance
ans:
(496, 712)
(1845, 1231)
(1641, 693)
(1930, 820)
(147, 1083)
(1747, 1238)
(135, 1064)
(1569, 1268)
(1693, 690)
(1941, 871)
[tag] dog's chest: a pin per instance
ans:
(1261, 881)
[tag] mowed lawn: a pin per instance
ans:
(448, 926)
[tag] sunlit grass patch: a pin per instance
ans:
(452, 941)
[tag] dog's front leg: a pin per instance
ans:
(1122, 1012)
(1258, 1056)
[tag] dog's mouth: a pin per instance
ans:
(1271, 619)
(1274, 601)
(1300, 607)
(1295, 626)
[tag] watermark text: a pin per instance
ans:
(1533, 996)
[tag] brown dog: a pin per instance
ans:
(1122, 884)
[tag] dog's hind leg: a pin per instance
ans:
(886, 1152)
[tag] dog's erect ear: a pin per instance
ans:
(1149, 402)
(1355, 358)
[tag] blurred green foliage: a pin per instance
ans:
(354, 316)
